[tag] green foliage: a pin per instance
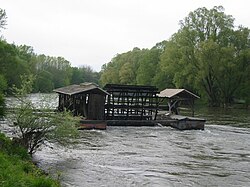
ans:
(3, 87)
(26, 85)
(51, 72)
(48, 72)
(1, 104)
(3, 19)
(208, 55)
(16, 168)
(134, 67)
(3, 83)
(12, 149)
(64, 127)
(34, 126)
(44, 82)
(84, 74)
(110, 72)
(147, 67)
(11, 65)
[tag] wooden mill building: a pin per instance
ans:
(124, 104)
(86, 99)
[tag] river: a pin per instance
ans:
(157, 156)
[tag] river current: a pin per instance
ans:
(157, 156)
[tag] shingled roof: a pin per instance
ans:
(82, 88)
(173, 93)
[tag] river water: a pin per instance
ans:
(157, 156)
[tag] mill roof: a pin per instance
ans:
(173, 93)
(81, 88)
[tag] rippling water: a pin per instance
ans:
(157, 156)
(154, 156)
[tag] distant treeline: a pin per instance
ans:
(18, 62)
(49, 72)
(208, 55)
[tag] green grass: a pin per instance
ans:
(17, 169)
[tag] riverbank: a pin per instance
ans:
(17, 169)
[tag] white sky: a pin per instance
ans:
(92, 32)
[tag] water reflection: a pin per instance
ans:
(221, 116)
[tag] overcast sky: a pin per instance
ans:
(92, 32)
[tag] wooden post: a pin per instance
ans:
(192, 105)
(157, 107)
(113, 102)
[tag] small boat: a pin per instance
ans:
(187, 123)
(92, 124)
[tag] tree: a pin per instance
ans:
(77, 76)
(206, 55)
(12, 64)
(43, 82)
(110, 72)
(3, 19)
(122, 69)
(3, 82)
(3, 87)
(34, 126)
(56, 70)
(147, 66)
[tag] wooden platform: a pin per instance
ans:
(187, 123)
(175, 121)
(137, 123)
(92, 124)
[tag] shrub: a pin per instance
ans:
(16, 168)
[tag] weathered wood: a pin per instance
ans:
(96, 107)
(127, 105)
(130, 102)
(86, 100)
(92, 124)
(136, 123)
(187, 123)
(180, 123)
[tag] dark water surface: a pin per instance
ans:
(157, 156)
(154, 156)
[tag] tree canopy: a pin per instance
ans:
(3, 19)
(3, 82)
(49, 72)
(208, 55)
(134, 67)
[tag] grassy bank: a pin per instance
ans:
(17, 169)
